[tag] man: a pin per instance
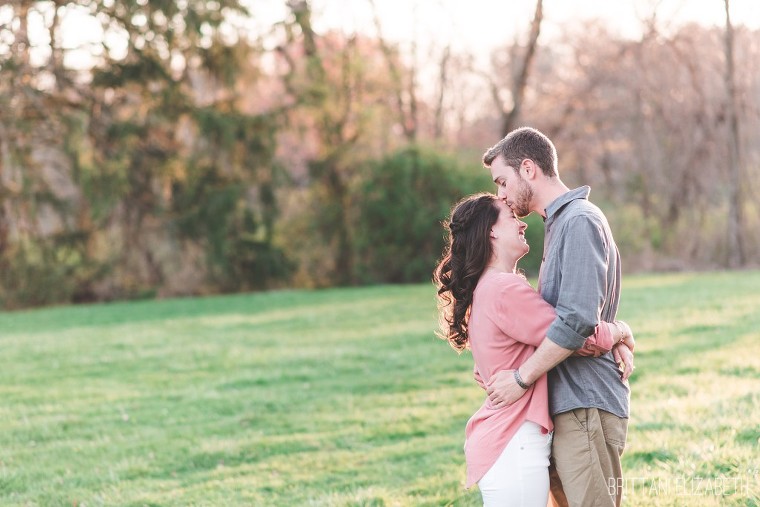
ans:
(580, 277)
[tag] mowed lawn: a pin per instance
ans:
(345, 397)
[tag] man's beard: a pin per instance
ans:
(521, 202)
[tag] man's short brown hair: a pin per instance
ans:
(522, 143)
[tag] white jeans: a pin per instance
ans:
(520, 476)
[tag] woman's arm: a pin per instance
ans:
(606, 336)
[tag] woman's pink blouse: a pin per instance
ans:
(508, 320)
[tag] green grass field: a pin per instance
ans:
(345, 397)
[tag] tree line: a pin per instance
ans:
(194, 155)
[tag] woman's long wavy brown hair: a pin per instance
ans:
(465, 257)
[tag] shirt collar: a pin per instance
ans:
(571, 195)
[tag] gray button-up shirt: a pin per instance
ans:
(580, 278)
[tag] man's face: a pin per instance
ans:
(511, 187)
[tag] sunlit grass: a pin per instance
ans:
(345, 397)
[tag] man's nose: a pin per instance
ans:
(502, 193)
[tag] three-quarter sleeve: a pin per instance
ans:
(520, 312)
(598, 343)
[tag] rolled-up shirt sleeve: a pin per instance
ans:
(584, 256)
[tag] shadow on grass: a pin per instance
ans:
(131, 312)
(749, 436)
(703, 339)
(643, 458)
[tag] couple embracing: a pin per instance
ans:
(565, 428)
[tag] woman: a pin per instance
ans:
(488, 307)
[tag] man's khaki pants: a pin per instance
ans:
(586, 451)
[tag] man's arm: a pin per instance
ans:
(584, 257)
(584, 260)
(503, 389)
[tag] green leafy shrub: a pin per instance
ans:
(402, 200)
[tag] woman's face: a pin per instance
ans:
(509, 232)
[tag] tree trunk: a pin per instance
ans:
(443, 68)
(407, 108)
(509, 117)
(735, 214)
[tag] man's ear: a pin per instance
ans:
(529, 169)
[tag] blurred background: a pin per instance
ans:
(182, 147)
